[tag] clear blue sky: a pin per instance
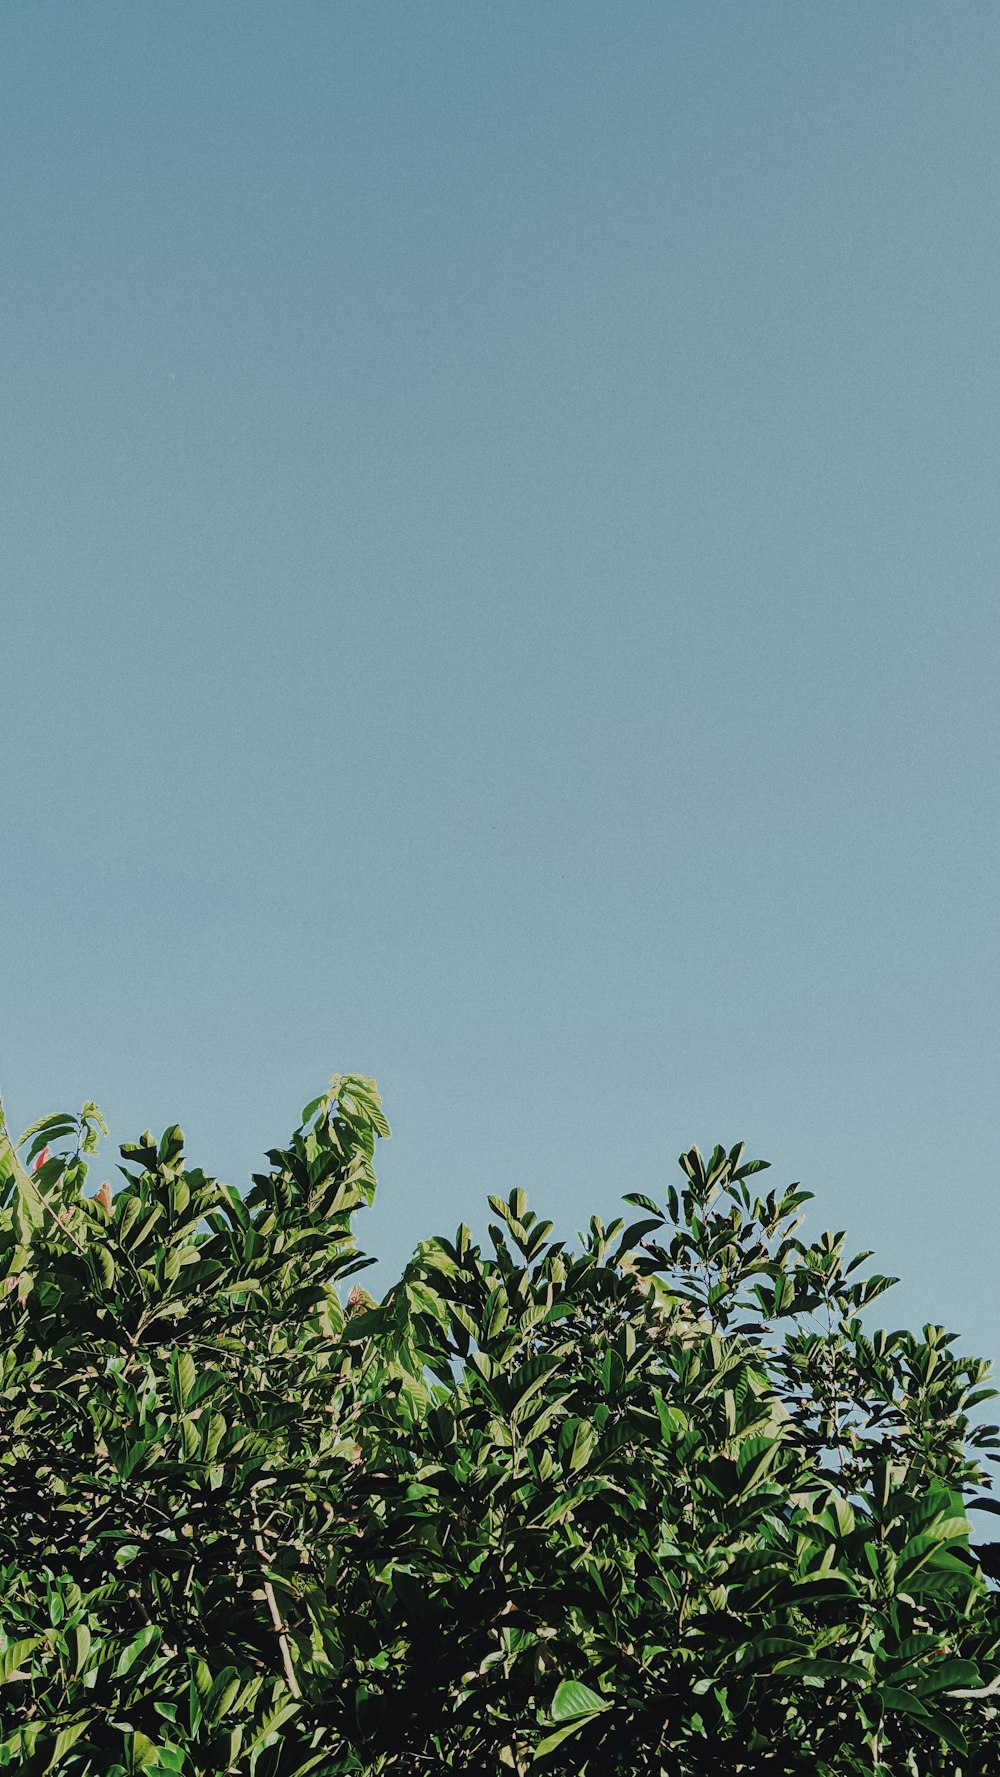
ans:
(499, 555)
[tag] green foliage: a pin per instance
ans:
(656, 1502)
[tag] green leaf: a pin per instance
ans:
(946, 1675)
(903, 1702)
(673, 1421)
(135, 1242)
(67, 1737)
(284, 1712)
(573, 1699)
(947, 1730)
(169, 1757)
(146, 1638)
(144, 1751)
(527, 1381)
(225, 1688)
(551, 1741)
(577, 1441)
(81, 1647)
(15, 1654)
(184, 1376)
(637, 1200)
(815, 1668)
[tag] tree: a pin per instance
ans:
(659, 1501)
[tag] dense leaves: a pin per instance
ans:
(657, 1501)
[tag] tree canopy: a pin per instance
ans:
(655, 1500)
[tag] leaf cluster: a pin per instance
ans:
(659, 1500)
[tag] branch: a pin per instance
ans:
(272, 1605)
(987, 1690)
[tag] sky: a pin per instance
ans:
(499, 546)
